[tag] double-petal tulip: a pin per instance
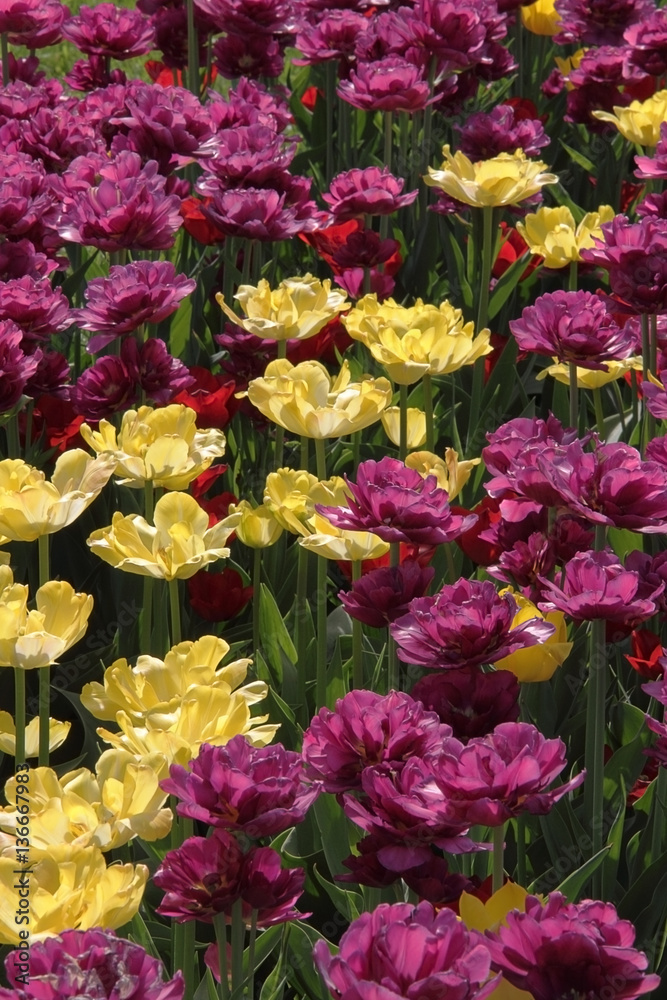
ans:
(160, 446)
(258, 527)
(58, 732)
(552, 233)
(38, 638)
(639, 122)
(305, 400)
(507, 179)
(418, 340)
(31, 506)
(180, 543)
(539, 662)
(297, 309)
(331, 542)
(451, 474)
(291, 496)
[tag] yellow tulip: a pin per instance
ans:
(480, 916)
(160, 686)
(297, 309)
(32, 639)
(58, 732)
(507, 179)
(305, 400)
(180, 544)
(258, 527)
(640, 121)
(31, 506)
(588, 378)
(416, 425)
(553, 234)
(204, 715)
(71, 889)
(105, 809)
(541, 18)
(291, 496)
(451, 474)
(335, 543)
(160, 446)
(418, 340)
(540, 662)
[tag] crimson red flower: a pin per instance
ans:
(57, 420)
(217, 597)
(482, 552)
(198, 225)
(647, 652)
(211, 397)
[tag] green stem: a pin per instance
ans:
(5, 59)
(44, 672)
(574, 394)
(426, 140)
(357, 637)
(595, 729)
(599, 411)
(388, 146)
(322, 576)
(427, 386)
(646, 346)
(256, 581)
(251, 954)
(149, 581)
(300, 634)
(329, 97)
(221, 938)
(19, 714)
(305, 457)
(392, 658)
(238, 939)
(403, 422)
(498, 853)
(659, 812)
(488, 245)
(12, 432)
(193, 50)
(175, 612)
(521, 849)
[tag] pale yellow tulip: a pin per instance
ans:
(58, 732)
(553, 234)
(38, 638)
(506, 179)
(297, 309)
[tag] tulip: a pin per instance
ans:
(590, 378)
(541, 17)
(305, 400)
(507, 179)
(331, 542)
(72, 889)
(30, 506)
(299, 308)
(291, 497)
(162, 446)
(416, 426)
(258, 527)
(180, 543)
(539, 662)
(451, 474)
(552, 233)
(33, 639)
(488, 916)
(639, 122)
(58, 732)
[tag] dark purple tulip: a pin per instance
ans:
(364, 249)
(37, 308)
(15, 366)
(557, 950)
(596, 585)
(105, 388)
(262, 17)
(400, 951)
(94, 964)
(648, 39)
(635, 255)
(431, 879)
(52, 375)
(248, 55)
(265, 214)
(455, 33)
(366, 192)
(508, 445)
(133, 294)
(334, 35)
(91, 74)
(392, 84)
(487, 134)
(499, 776)
(260, 791)
(160, 375)
(367, 729)
(383, 595)
(270, 889)
(599, 22)
(397, 504)
(472, 702)
(466, 623)
(110, 31)
(18, 258)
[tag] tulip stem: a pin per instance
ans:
(175, 610)
(149, 581)
(19, 715)
(44, 672)
(574, 395)
(659, 810)
(321, 670)
(498, 852)
(392, 658)
(388, 144)
(256, 581)
(357, 637)
(251, 954)
(238, 938)
(300, 635)
(221, 938)
(427, 386)
(488, 246)
(12, 432)
(599, 411)
(595, 729)
(329, 98)
(193, 50)
(520, 830)
(403, 422)
(5, 59)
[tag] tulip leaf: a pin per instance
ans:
(273, 634)
(506, 284)
(207, 988)
(579, 158)
(301, 971)
(623, 542)
(335, 832)
(348, 902)
(642, 889)
(572, 886)
(614, 842)
(266, 943)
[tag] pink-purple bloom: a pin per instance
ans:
(37, 308)
(486, 134)
(366, 192)
(574, 327)
(260, 791)
(599, 22)
(132, 294)
(390, 84)
(557, 950)
(94, 964)
(471, 702)
(503, 774)
(110, 31)
(104, 389)
(648, 39)
(366, 729)
(398, 505)
(635, 255)
(466, 623)
(400, 951)
(383, 595)
(16, 368)
(597, 585)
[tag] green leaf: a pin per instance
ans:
(207, 989)
(506, 284)
(623, 542)
(274, 636)
(579, 158)
(301, 972)
(574, 883)
(347, 901)
(334, 829)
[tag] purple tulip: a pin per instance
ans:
(260, 791)
(471, 702)
(245, 155)
(499, 776)
(635, 255)
(398, 505)
(51, 376)
(247, 17)
(94, 964)
(400, 951)
(160, 375)
(334, 35)
(251, 56)
(367, 729)
(465, 624)
(16, 368)
(487, 134)
(596, 585)
(105, 388)
(513, 441)
(366, 192)
(110, 31)
(18, 258)
(34, 306)
(557, 950)
(266, 214)
(93, 73)
(649, 167)
(648, 39)
(133, 294)
(574, 327)
(599, 22)
(383, 595)
(391, 84)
